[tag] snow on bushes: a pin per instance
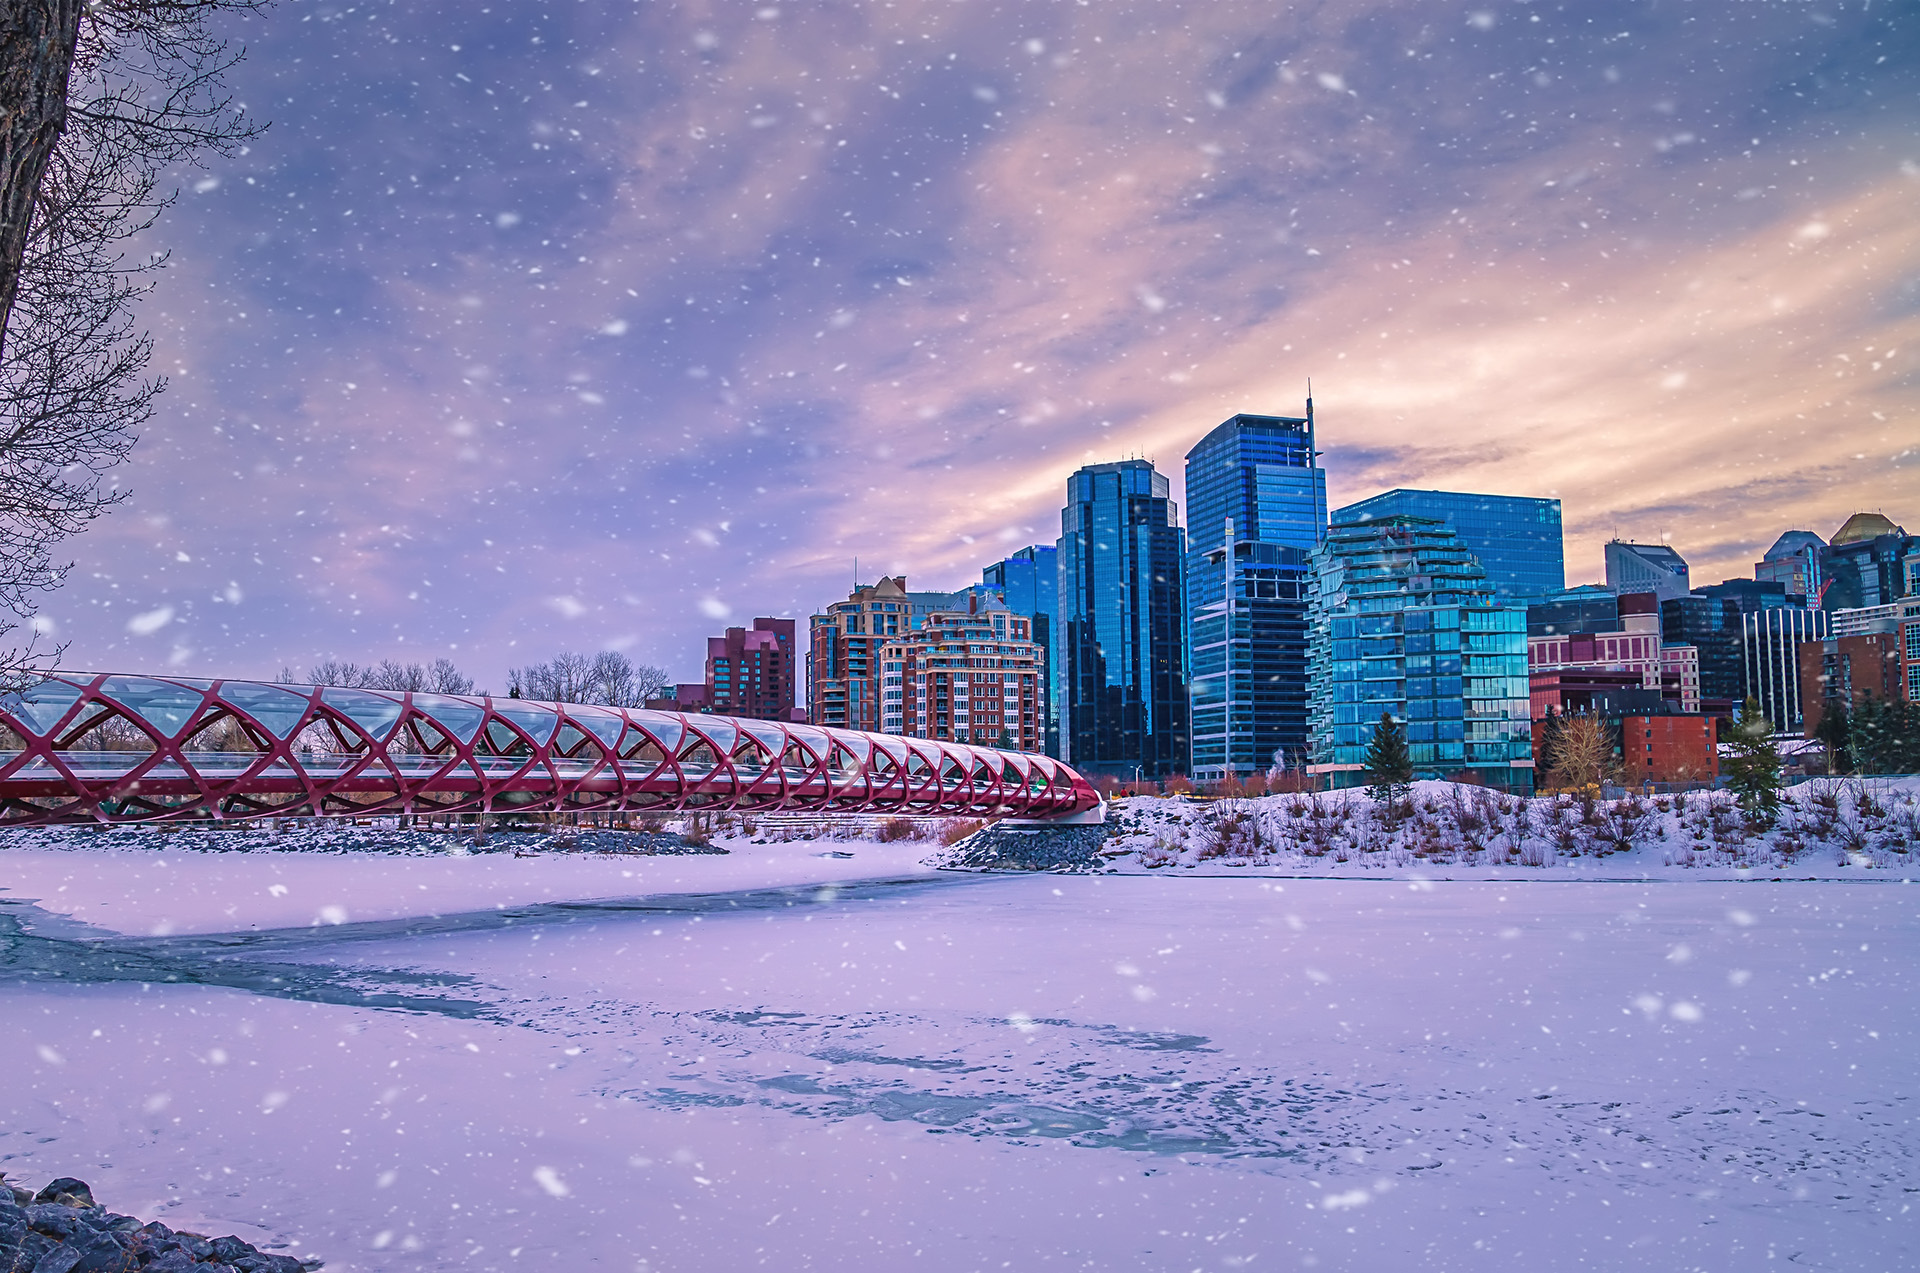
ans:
(1838, 821)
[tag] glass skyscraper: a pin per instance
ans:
(1256, 508)
(1404, 620)
(1029, 582)
(1123, 673)
(1516, 537)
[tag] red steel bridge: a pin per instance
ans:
(100, 748)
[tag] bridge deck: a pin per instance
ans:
(110, 748)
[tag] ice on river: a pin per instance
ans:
(786, 1061)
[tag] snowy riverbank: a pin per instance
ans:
(1827, 829)
(782, 1059)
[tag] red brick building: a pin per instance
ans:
(1848, 669)
(1668, 749)
(751, 672)
(1910, 652)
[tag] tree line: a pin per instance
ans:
(1880, 736)
(606, 679)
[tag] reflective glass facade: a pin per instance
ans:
(1403, 620)
(1769, 659)
(1029, 583)
(1256, 509)
(1122, 638)
(1516, 537)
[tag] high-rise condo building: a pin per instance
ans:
(1516, 537)
(1653, 568)
(1404, 621)
(1029, 583)
(843, 662)
(1122, 638)
(970, 676)
(1256, 510)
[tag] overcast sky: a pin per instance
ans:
(530, 327)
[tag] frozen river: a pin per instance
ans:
(737, 1063)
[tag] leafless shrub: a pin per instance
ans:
(954, 830)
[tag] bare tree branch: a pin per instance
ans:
(97, 100)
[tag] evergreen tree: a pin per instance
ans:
(1835, 730)
(1389, 767)
(1546, 743)
(1885, 737)
(1754, 766)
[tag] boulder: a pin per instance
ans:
(26, 1253)
(68, 1192)
(101, 1252)
(52, 1219)
(231, 1250)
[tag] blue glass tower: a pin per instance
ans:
(1256, 507)
(1122, 638)
(1404, 621)
(1516, 537)
(1029, 582)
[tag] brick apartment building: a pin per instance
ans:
(1849, 670)
(970, 676)
(1668, 749)
(751, 672)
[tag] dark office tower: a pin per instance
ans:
(1122, 633)
(1256, 508)
(1794, 561)
(1515, 537)
(1029, 583)
(1712, 625)
(1712, 618)
(1870, 562)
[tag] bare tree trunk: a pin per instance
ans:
(37, 42)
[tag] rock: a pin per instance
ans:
(59, 1259)
(1069, 848)
(62, 1230)
(103, 1253)
(68, 1192)
(231, 1250)
(13, 1231)
(28, 1253)
(52, 1219)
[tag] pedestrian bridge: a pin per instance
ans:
(102, 748)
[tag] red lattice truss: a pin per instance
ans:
(103, 748)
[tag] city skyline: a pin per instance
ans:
(392, 341)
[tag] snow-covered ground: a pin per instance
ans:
(778, 1059)
(1828, 828)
